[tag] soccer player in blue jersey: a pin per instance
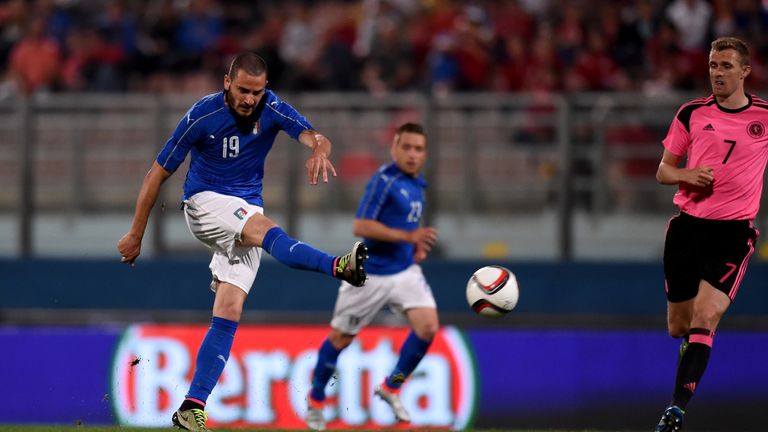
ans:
(229, 134)
(388, 218)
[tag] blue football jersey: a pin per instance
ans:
(395, 199)
(228, 156)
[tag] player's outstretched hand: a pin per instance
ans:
(318, 164)
(700, 176)
(425, 237)
(129, 247)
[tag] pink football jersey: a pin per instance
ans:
(732, 142)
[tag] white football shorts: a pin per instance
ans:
(357, 306)
(217, 221)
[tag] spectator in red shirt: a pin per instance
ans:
(34, 60)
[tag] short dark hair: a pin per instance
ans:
(248, 61)
(411, 128)
(724, 43)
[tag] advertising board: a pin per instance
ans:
(267, 378)
(471, 378)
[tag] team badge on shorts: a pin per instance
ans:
(240, 213)
(755, 129)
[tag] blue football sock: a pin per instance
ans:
(326, 365)
(413, 350)
(212, 357)
(296, 254)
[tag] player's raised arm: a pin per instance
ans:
(129, 245)
(318, 162)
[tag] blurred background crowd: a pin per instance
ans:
(376, 46)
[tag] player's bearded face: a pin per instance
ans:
(726, 72)
(244, 91)
(409, 151)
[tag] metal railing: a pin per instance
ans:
(504, 157)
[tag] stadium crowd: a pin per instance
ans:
(377, 46)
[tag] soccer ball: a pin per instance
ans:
(492, 291)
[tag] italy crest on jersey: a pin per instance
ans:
(256, 128)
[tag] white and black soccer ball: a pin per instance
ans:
(492, 291)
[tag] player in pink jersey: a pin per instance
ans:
(709, 243)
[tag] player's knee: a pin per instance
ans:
(677, 329)
(676, 332)
(255, 229)
(428, 331)
(707, 318)
(231, 311)
(340, 340)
